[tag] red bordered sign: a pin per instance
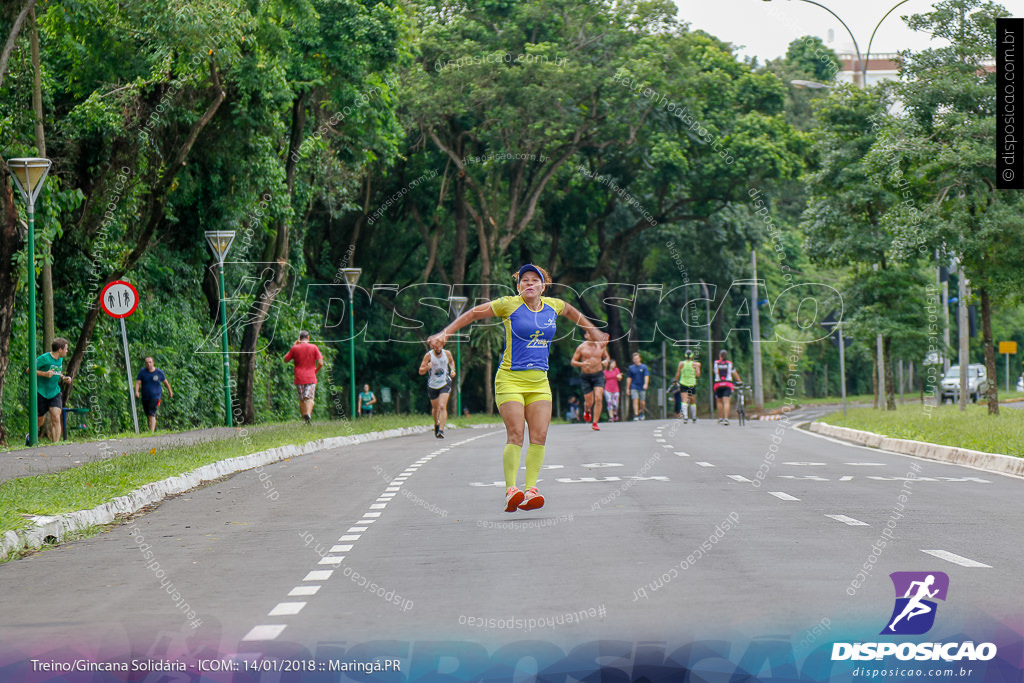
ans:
(119, 299)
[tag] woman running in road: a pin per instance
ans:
(521, 387)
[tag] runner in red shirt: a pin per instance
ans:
(308, 361)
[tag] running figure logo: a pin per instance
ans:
(914, 612)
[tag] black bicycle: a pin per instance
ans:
(741, 404)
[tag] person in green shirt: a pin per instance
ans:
(687, 374)
(366, 401)
(49, 368)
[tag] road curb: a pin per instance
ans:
(993, 462)
(60, 526)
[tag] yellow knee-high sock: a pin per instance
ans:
(510, 459)
(534, 459)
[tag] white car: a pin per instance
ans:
(977, 382)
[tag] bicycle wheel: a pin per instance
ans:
(741, 412)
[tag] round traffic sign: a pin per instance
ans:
(119, 299)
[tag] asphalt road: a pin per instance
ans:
(653, 531)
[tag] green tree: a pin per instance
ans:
(943, 143)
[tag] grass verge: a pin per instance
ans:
(95, 483)
(944, 424)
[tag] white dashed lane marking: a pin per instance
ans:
(739, 478)
(285, 609)
(783, 496)
(264, 632)
(848, 520)
(956, 559)
(704, 464)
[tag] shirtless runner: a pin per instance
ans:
(592, 358)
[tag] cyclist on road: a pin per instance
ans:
(687, 374)
(722, 374)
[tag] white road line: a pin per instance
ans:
(264, 632)
(667, 445)
(286, 609)
(660, 440)
(956, 559)
(272, 631)
(846, 478)
(704, 464)
(848, 520)
(782, 496)
(740, 478)
(682, 454)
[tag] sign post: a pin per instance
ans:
(1008, 348)
(119, 299)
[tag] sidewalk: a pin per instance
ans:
(26, 462)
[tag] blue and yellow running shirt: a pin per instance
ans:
(528, 334)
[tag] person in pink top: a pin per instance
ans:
(611, 389)
(308, 361)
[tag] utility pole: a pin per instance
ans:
(758, 384)
(964, 333)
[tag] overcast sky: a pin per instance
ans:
(749, 26)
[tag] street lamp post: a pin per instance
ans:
(29, 175)
(220, 241)
(458, 303)
(351, 278)
(863, 63)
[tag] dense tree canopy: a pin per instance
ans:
(437, 145)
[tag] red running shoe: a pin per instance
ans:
(513, 497)
(595, 427)
(586, 416)
(533, 500)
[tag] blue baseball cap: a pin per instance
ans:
(528, 267)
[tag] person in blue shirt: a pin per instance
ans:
(638, 376)
(521, 387)
(149, 386)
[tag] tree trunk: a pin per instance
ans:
(890, 383)
(12, 38)
(153, 214)
(461, 237)
(990, 353)
(11, 242)
(874, 378)
(272, 280)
